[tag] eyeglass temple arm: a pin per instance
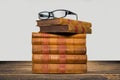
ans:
(74, 14)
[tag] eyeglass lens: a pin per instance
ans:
(44, 15)
(59, 14)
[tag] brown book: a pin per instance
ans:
(59, 68)
(55, 29)
(58, 35)
(58, 41)
(71, 26)
(59, 58)
(58, 49)
(62, 28)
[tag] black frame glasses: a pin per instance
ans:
(51, 15)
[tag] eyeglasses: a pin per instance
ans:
(60, 13)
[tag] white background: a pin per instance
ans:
(18, 21)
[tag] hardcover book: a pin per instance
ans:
(59, 68)
(59, 58)
(58, 41)
(58, 35)
(58, 49)
(71, 26)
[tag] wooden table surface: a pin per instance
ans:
(97, 70)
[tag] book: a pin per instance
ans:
(73, 26)
(58, 41)
(59, 58)
(58, 49)
(54, 29)
(57, 35)
(59, 68)
(64, 28)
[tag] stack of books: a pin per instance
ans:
(60, 46)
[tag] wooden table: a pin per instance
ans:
(97, 70)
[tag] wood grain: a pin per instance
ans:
(97, 70)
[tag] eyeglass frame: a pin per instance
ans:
(51, 13)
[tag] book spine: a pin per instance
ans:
(58, 41)
(59, 68)
(58, 35)
(58, 49)
(57, 59)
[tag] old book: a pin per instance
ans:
(58, 35)
(59, 68)
(59, 58)
(55, 29)
(58, 41)
(73, 26)
(58, 49)
(64, 28)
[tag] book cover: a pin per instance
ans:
(64, 28)
(59, 58)
(54, 29)
(74, 26)
(57, 35)
(58, 41)
(58, 49)
(59, 68)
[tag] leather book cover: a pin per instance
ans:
(57, 35)
(59, 68)
(58, 41)
(59, 58)
(74, 26)
(58, 49)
